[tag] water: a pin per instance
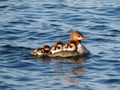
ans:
(29, 24)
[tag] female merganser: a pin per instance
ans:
(41, 51)
(77, 37)
(58, 47)
(72, 48)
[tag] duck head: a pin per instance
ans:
(46, 48)
(77, 36)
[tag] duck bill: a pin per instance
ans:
(83, 38)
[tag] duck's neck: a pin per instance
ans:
(77, 42)
(80, 48)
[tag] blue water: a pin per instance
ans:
(29, 24)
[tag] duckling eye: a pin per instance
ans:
(71, 46)
(57, 47)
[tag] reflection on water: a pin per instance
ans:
(76, 60)
(63, 67)
(66, 68)
(78, 71)
(71, 82)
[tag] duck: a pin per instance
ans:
(41, 51)
(73, 48)
(58, 47)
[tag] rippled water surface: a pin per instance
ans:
(29, 24)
